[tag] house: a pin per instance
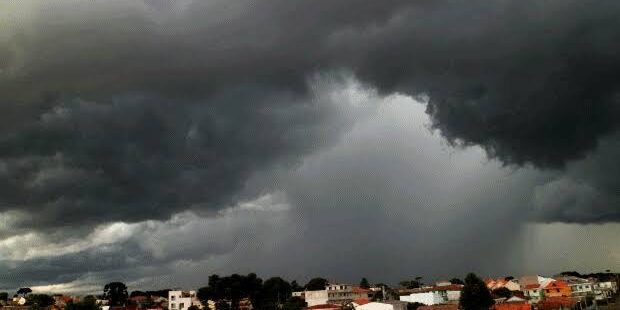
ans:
(434, 295)
(511, 284)
(534, 292)
(61, 301)
(605, 289)
(555, 303)
(333, 294)
(323, 307)
(384, 305)
(557, 288)
(512, 306)
(579, 287)
(181, 300)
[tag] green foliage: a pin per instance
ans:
(274, 292)
(294, 303)
(88, 303)
(4, 296)
(115, 293)
(475, 294)
(222, 305)
(232, 288)
(296, 287)
(502, 292)
(364, 283)
(193, 307)
(409, 284)
(38, 301)
(316, 284)
(456, 281)
(24, 291)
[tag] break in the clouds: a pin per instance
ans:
(117, 114)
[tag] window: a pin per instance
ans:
(181, 306)
(535, 291)
(173, 305)
(557, 290)
(172, 297)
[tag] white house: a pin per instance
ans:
(385, 305)
(435, 295)
(605, 289)
(332, 294)
(181, 300)
(578, 286)
(534, 292)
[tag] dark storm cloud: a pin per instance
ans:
(123, 111)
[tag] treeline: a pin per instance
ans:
(273, 293)
(600, 276)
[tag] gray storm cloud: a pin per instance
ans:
(189, 99)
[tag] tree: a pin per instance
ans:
(38, 301)
(24, 291)
(316, 284)
(502, 292)
(274, 292)
(409, 284)
(193, 307)
(137, 293)
(296, 287)
(364, 283)
(571, 274)
(115, 293)
(508, 278)
(89, 302)
(475, 294)
(4, 296)
(294, 303)
(456, 281)
(222, 305)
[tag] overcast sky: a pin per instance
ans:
(156, 143)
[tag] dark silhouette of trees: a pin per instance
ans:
(115, 293)
(24, 291)
(502, 292)
(456, 281)
(316, 284)
(475, 294)
(39, 301)
(364, 283)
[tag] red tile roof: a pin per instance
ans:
(360, 290)
(361, 301)
(532, 286)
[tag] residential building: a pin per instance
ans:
(333, 294)
(384, 305)
(181, 300)
(434, 295)
(323, 307)
(557, 288)
(511, 284)
(579, 287)
(605, 289)
(534, 292)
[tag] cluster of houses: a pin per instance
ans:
(526, 293)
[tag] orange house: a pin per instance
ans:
(557, 288)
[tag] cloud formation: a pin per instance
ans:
(117, 118)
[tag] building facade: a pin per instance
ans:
(181, 300)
